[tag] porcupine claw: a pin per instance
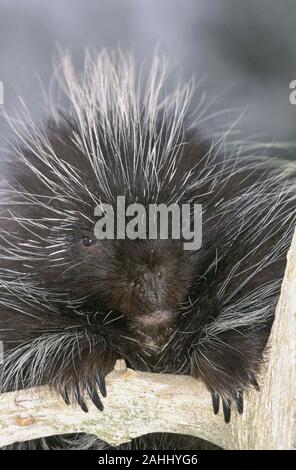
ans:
(226, 410)
(226, 404)
(215, 402)
(75, 394)
(254, 382)
(79, 399)
(100, 379)
(91, 389)
(65, 396)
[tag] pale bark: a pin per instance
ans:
(140, 403)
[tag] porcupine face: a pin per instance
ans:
(143, 283)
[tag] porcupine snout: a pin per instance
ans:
(150, 292)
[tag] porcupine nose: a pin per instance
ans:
(150, 290)
(146, 289)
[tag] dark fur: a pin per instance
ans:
(149, 302)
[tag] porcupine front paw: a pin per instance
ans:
(236, 397)
(86, 377)
(228, 364)
(73, 393)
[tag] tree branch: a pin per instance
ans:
(139, 403)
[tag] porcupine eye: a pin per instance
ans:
(88, 240)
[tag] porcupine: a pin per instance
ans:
(71, 305)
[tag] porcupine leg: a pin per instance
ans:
(72, 361)
(228, 363)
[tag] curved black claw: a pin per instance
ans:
(100, 379)
(65, 396)
(74, 394)
(91, 389)
(226, 410)
(216, 402)
(254, 382)
(79, 399)
(239, 400)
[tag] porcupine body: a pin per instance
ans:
(70, 305)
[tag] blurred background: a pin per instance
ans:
(243, 49)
